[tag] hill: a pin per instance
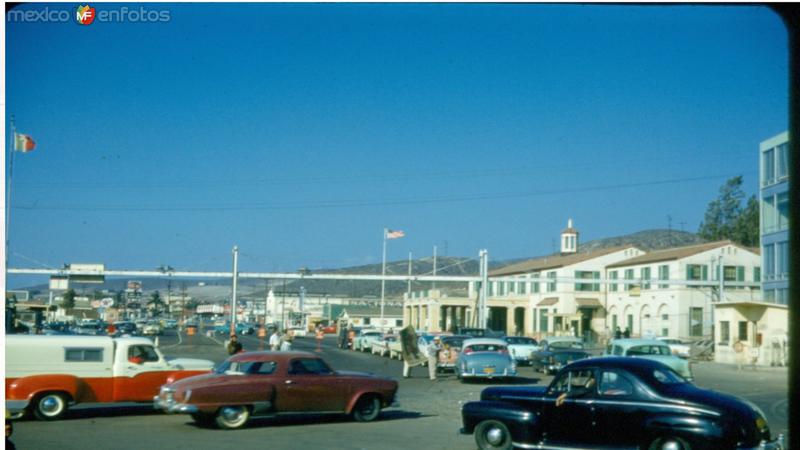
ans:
(218, 290)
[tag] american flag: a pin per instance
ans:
(394, 234)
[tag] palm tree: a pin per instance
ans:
(155, 303)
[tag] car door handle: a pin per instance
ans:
(289, 382)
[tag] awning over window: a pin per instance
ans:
(588, 303)
(548, 301)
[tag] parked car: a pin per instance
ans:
(650, 349)
(271, 383)
(152, 328)
(298, 331)
(615, 402)
(484, 358)
(125, 327)
(557, 351)
(381, 346)
(448, 356)
(521, 348)
(364, 338)
(678, 347)
(474, 332)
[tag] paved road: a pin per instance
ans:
(428, 418)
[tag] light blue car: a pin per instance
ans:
(485, 358)
(650, 349)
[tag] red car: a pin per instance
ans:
(263, 384)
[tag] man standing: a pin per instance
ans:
(275, 341)
(433, 356)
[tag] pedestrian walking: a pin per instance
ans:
(617, 333)
(234, 346)
(286, 342)
(275, 341)
(626, 333)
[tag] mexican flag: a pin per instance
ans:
(23, 143)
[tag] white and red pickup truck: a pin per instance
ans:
(45, 374)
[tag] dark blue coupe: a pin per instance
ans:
(616, 403)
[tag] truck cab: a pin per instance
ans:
(45, 374)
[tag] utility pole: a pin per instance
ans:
(484, 274)
(169, 295)
(433, 286)
(235, 285)
(409, 275)
(183, 303)
(283, 305)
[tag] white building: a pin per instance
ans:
(670, 292)
(564, 293)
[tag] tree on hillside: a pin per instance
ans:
(726, 218)
(68, 299)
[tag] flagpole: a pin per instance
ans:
(8, 188)
(383, 273)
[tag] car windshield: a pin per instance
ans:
(247, 367)
(520, 341)
(649, 350)
(566, 344)
(457, 342)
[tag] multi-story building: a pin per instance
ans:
(564, 293)
(556, 294)
(670, 292)
(756, 332)
(775, 218)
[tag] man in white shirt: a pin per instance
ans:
(275, 341)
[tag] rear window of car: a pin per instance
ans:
(649, 350)
(487, 347)
(566, 344)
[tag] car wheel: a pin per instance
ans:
(50, 406)
(493, 435)
(367, 409)
(669, 443)
(232, 417)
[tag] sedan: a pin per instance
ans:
(650, 349)
(678, 347)
(272, 383)
(620, 403)
(555, 352)
(484, 358)
(521, 348)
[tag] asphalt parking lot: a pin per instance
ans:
(428, 416)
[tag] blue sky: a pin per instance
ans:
(300, 131)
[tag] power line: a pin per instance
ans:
(367, 203)
(364, 179)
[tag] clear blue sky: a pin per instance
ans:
(300, 131)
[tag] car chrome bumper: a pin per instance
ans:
(474, 374)
(777, 444)
(172, 406)
(16, 408)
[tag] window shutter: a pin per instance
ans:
(740, 273)
(688, 272)
(705, 272)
